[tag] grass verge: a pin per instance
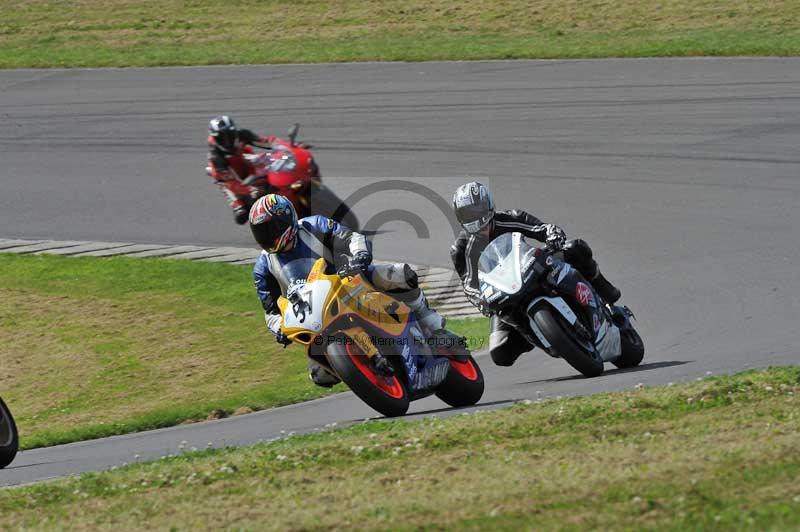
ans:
(42, 33)
(96, 347)
(723, 453)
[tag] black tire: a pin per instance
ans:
(589, 364)
(357, 379)
(463, 385)
(9, 437)
(326, 203)
(632, 348)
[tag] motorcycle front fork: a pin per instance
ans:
(620, 315)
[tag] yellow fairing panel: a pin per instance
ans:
(351, 295)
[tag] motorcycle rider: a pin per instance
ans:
(228, 166)
(283, 239)
(474, 209)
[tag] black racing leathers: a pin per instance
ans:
(505, 345)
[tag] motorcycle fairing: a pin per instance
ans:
(558, 304)
(326, 303)
(308, 313)
(282, 161)
(564, 278)
(295, 166)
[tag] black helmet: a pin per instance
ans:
(224, 132)
(474, 206)
(273, 221)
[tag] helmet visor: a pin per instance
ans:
(474, 217)
(275, 234)
(226, 138)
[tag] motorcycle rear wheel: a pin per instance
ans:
(463, 385)
(386, 395)
(9, 437)
(565, 346)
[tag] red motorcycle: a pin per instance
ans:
(288, 168)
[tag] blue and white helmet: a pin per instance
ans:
(474, 206)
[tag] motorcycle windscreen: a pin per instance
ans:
(499, 266)
(295, 272)
(282, 161)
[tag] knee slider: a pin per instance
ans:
(410, 276)
(578, 248)
(578, 253)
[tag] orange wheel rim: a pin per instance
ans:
(465, 369)
(388, 385)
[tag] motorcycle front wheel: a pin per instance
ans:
(560, 338)
(9, 437)
(387, 395)
(632, 348)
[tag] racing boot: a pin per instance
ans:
(605, 289)
(320, 375)
(441, 341)
(240, 211)
(430, 321)
(240, 216)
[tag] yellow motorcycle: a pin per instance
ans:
(372, 342)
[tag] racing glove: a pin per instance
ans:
(361, 260)
(356, 264)
(556, 237)
(274, 326)
(477, 303)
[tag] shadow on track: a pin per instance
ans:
(642, 367)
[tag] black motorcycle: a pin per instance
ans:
(9, 437)
(553, 307)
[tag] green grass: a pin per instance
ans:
(40, 33)
(96, 347)
(719, 454)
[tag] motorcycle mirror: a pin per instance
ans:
(293, 133)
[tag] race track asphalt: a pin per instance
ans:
(683, 175)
